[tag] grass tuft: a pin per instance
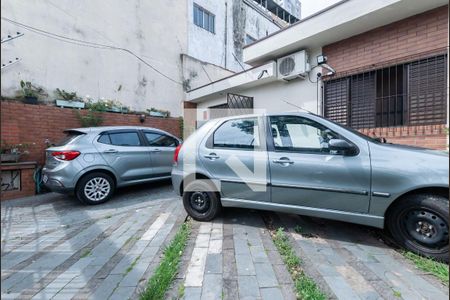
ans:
(438, 269)
(128, 270)
(305, 287)
(86, 252)
(159, 283)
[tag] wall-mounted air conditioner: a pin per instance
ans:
(295, 65)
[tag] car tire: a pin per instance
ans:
(419, 223)
(200, 201)
(95, 188)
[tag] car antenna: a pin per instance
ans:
(299, 107)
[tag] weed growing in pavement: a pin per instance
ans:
(166, 271)
(132, 265)
(180, 291)
(397, 294)
(85, 253)
(438, 269)
(305, 287)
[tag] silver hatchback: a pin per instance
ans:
(92, 162)
(304, 164)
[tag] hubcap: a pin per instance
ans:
(426, 228)
(200, 201)
(97, 189)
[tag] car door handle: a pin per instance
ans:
(110, 151)
(212, 156)
(156, 150)
(283, 161)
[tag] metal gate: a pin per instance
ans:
(236, 105)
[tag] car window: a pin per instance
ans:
(71, 135)
(238, 133)
(125, 139)
(104, 139)
(292, 133)
(160, 140)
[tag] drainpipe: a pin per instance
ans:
(226, 33)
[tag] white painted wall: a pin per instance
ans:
(197, 73)
(214, 47)
(270, 96)
(155, 30)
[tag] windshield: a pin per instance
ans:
(70, 136)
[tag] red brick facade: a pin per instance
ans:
(25, 123)
(431, 136)
(410, 37)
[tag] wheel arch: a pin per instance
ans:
(192, 177)
(101, 170)
(435, 190)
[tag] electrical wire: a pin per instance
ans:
(86, 44)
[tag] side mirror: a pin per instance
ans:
(341, 145)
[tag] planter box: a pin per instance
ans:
(158, 114)
(118, 110)
(30, 100)
(10, 157)
(72, 104)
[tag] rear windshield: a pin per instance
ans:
(70, 136)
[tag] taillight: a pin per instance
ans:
(65, 155)
(175, 154)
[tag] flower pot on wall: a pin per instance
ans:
(118, 109)
(157, 114)
(72, 104)
(30, 100)
(10, 157)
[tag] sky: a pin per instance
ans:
(311, 6)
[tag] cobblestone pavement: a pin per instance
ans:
(55, 248)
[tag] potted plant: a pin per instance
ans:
(68, 99)
(12, 153)
(115, 106)
(158, 112)
(30, 92)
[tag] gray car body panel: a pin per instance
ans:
(357, 189)
(126, 167)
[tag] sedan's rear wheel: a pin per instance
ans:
(95, 188)
(200, 201)
(420, 223)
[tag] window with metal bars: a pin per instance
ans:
(412, 93)
(236, 105)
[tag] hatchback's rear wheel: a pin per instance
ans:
(95, 188)
(200, 201)
(420, 223)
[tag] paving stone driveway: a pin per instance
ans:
(55, 248)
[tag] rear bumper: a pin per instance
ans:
(60, 180)
(177, 179)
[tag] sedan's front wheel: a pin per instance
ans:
(95, 188)
(420, 223)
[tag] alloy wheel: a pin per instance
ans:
(97, 189)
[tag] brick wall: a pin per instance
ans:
(423, 33)
(430, 136)
(25, 123)
(27, 185)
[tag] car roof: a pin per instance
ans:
(287, 113)
(108, 128)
